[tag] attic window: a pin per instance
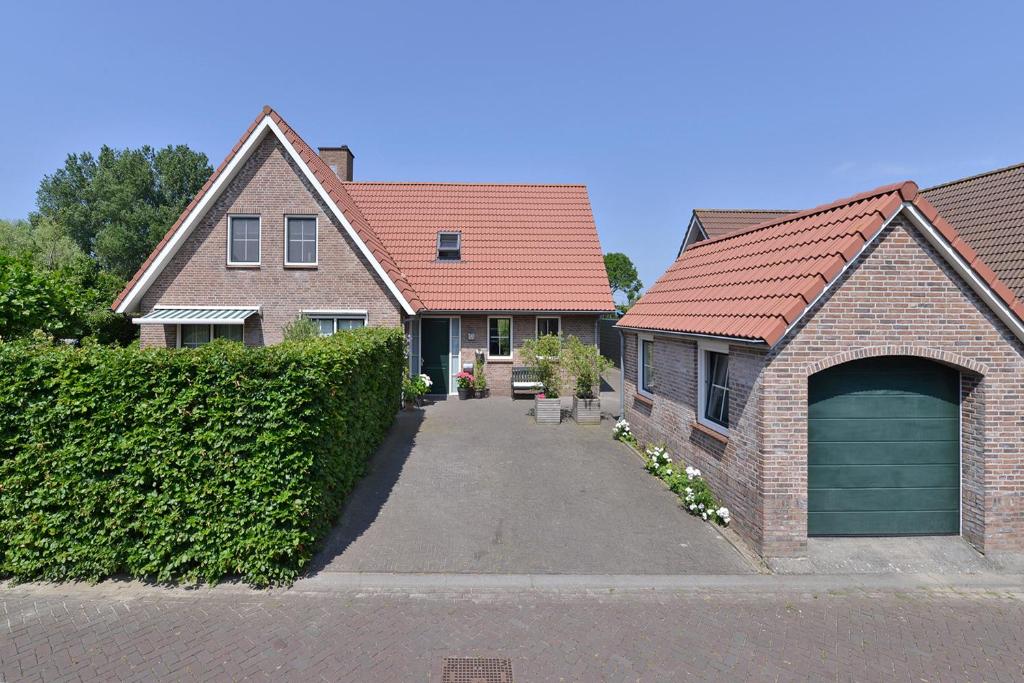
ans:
(449, 246)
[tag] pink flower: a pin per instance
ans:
(541, 395)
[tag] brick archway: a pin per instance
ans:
(945, 357)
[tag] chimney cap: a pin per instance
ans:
(337, 149)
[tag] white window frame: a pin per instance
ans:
(336, 315)
(212, 337)
(703, 347)
(511, 336)
(316, 241)
(259, 241)
(536, 330)
(458, 236)
(640, 339)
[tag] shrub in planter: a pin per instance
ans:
(479, 379)
(585, 364)
(543, 357)
(190, 464)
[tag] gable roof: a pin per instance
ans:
(524, 247)
(721, 222)
(756, 283)
(320, 176)
(988, 212)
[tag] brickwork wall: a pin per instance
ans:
(731, 467)
(271, 186)
(499, 372)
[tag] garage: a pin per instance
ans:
(883, 449)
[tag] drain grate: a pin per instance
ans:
(476, 670)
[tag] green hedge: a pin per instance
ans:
(186, 465)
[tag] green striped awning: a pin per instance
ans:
(196, 316)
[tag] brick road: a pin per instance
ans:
(55, 633)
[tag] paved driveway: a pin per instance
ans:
(477, 487)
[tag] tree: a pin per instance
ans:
(117, 206)
(623, 278)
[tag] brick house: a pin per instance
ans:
(852, 369)
(279, 231)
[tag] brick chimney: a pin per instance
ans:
(339, 159)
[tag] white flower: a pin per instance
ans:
(669, 471)
(693, 507)
(701, 506)
(705, 515)
(723, 511)
(689, 490)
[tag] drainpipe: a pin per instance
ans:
(622, 375)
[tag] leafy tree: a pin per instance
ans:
(116, 206)
(33, 299)
(623, 278)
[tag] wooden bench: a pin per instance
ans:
(524, 381)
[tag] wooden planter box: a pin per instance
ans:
(586, 411)
(547, 410)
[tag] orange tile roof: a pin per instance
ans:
(721, 222)
(988, 211)
(524, 247)
(753, 284)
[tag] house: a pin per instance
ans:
(711, 223)
(279, 231)
(851, 369)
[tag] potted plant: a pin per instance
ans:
(585, 364)
(479, 379)
(542, 356)
(413, 389)
(464, 380)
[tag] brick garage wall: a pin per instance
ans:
(902, 298)
(731, 468)
(270, 185)
(499, 372)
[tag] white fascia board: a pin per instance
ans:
(185, 229)
(198, 211)
(340, 215)
(964, 270)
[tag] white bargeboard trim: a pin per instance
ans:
(220, 184)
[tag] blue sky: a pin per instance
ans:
(658, 108)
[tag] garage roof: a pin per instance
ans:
(755, 283)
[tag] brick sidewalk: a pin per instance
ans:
(149, 634)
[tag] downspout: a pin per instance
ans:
(622, 374)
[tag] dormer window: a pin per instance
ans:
(449, 246)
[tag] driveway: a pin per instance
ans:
(476, 487)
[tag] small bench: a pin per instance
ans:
(524, 381)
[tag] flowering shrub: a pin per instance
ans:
(464, 380)
(685, 482)
(621, 432)
(415, 387)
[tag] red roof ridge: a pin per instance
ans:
(747, 210)
(459, 184)
(977, 176)
(907, 190)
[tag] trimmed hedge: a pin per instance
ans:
(191, 465)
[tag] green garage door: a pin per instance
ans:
(883, 449)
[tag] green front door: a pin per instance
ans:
(434, 342)
(883, 449)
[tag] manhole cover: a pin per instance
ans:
(476, 670)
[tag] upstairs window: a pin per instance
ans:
(244, 240)
(449, 246)
(300, 241)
